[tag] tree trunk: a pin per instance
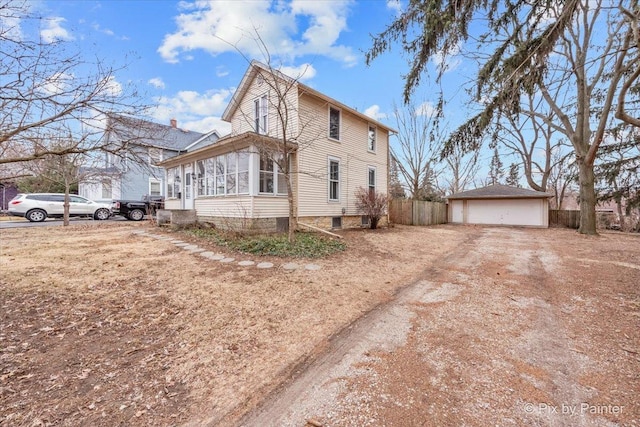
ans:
(67, 200)
(587, 199)
(293, 223)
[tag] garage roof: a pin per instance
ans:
(499, 191)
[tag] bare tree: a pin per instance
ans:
(419, 141)
(45, 91)
(459, 171)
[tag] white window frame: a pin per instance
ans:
(277, 175)
(372, 142)
(173, 182)
(155, 181)
(375, 178)
(331, 107)
(261, 115)
(330, 180)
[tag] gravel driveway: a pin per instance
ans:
(514, 327)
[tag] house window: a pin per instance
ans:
(272, 179)
(107, 189)
(173, 182)
(261, 115)
(155, 155)
(220, 180)
(334, 179)
(210, 173)
(201, 181)
(243, 173)
(155, 187)
(372, 138)
(334, 123)
(372, 179)
(232, 168)
(336, 222)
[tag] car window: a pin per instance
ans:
(54, 198)
(78, 199)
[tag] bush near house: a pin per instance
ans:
(372, 204)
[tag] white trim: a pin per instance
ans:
(203, 137)
(331, 159)
(339, 110)
(375, 137)
(375, 178)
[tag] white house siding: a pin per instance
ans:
(243, 118)
(315, 148)
(526, 212)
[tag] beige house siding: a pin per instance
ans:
(242, 119)
(315, 151)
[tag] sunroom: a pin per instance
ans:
(234, 183)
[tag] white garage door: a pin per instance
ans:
(506, 212)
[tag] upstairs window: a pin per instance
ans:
(261, 115)
(371, 138)
(155, 187)
(334, 123)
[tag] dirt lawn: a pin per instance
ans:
(100, 326)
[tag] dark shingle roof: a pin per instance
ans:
(143, 132)
(499, 191)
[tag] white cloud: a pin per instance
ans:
(221, 71)
(56, 84)
(302, 72)
(426, 109)
(103, 30)
(194, 111)
(395, 6)
(157, 83)
(111, 87)
(54, 31)
(374, 112)
(218, 27)
(449, 62)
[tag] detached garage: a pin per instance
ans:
(500, 205)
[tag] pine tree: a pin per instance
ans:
(513, 179)
(496, 173)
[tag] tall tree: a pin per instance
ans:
(513, 177)
(523, 35)
(419, 141)
(496, 172)
(47, 89)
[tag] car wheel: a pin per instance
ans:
(102, 214)
(136, 215)
(36, 215)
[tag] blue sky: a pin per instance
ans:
(179, 53)
(183, 55)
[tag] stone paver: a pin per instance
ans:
(265, 265)
(222, 258)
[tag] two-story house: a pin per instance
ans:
(134, 173)
(241, 180)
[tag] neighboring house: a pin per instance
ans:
(137, 174)
(8, 190)
(235, 182)
(500, 205)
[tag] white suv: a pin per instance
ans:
(37, 207)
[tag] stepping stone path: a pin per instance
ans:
(195, 249)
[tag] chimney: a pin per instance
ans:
(174, 123)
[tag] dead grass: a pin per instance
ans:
(100, 326)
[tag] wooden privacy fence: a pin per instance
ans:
(570, 219)
(417, 212)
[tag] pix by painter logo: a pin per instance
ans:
(576, 409)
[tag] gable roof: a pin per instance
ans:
(499, 191)
(251, 72)
(150, 134)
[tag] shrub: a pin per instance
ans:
(372, 204)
